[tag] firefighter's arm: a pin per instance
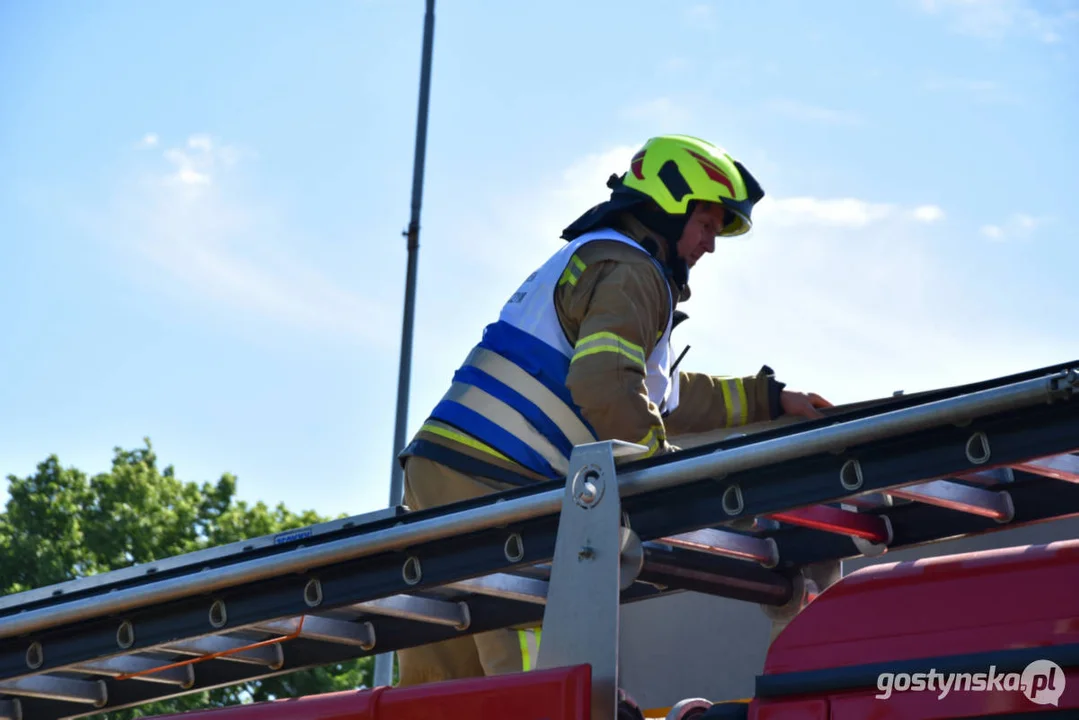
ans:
(613, 314)
(709, 402)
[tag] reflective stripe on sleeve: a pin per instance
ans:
(652, 440)
(608, 342)
(734, 397)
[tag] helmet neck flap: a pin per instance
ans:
(666, 229)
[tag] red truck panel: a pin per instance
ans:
(559, 694)
(956, 614)
(993, 600)
(816, 709)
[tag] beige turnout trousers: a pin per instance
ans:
(429, 484)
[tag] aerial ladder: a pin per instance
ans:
(742, 517)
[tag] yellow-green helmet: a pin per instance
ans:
(674, 170)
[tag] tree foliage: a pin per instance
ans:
(60, 524)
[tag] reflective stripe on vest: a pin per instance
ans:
(510, 395)
(530, 643)
(517, 379)
(501, 414)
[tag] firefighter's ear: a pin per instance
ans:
(679, 317)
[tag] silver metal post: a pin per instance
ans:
(581, 620)
(384, 663)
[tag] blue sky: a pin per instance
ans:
(203, 203)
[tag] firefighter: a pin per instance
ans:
(581, 352)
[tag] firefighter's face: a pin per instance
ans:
(699, 235)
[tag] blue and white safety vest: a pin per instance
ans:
(510, 395)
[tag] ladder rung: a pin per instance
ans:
(842, 522)
(410, 607)
(132, 664)
(47, 687)
(268, 655)
(325, 629)
(868, 501)
(954, 496)
(990, 477)
(727, 544)
(1060, 467)
(503, 585)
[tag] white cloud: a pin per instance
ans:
(996, 19)
(200, 142)
(813, 113)
(1019, 226)
(838, 212)
(202, 159)
(928, 213)
(189, 232)
(149, 140)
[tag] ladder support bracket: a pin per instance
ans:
(581, 618)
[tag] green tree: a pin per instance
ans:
(59, 524)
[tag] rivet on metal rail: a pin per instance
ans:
(125, 634)
(850, 475)
(218, 614)
(35, 656)
(312, 592)
(733, 504)
(978, 448)
(412, 572)
(514, 548)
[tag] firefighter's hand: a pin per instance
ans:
(803, 404)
